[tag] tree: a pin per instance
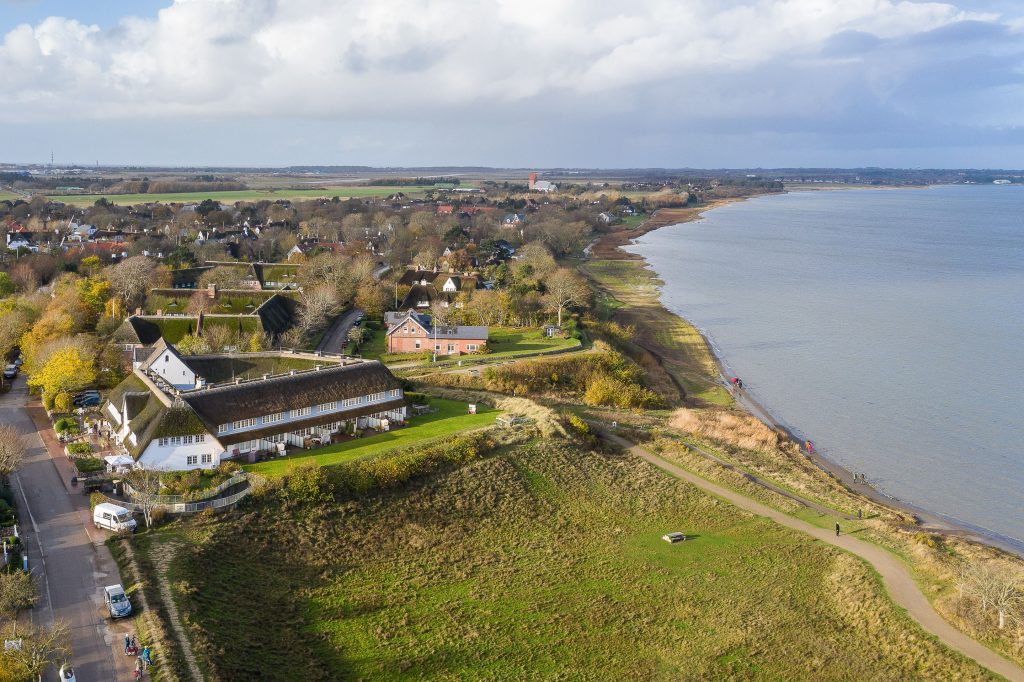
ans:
(224, 276)
(192, 344)
(318, 306)
(129, 279)
(218, 336)
(565, 289)
(146, 485)
(17, 593)
(995, 587)
(199, 303)
(66, 370)
(6, 285)
(41, 648)
(372, 298)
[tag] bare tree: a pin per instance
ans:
(565, 289)
(17, 593)
(217, 336)
(129, 279)
(200, 303)
(12, 450)
(146, 485)
(42, 647)
(995, 587)
(319, 304)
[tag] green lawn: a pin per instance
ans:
(543, 561)
(232, 196)
(11, 196)
(503, 342)
(450, 418)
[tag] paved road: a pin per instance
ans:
(70, 568)
(895, 574)
(336, 338)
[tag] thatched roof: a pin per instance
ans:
(137, 329)
(278, 314)
(224, 404)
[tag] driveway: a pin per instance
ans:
(336, 338)
(71, 567)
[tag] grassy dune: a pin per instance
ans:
(543, 561)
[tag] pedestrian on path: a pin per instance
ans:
(135, 645)
(837, 529)
(138, 668)
(127, 643)
(146, 657)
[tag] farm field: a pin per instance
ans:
(242, 195)
(451, 417)
(541, 561)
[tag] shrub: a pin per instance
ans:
(307, 484)
(66, 425)
(79, 448)
(96, 498)
(416, 398)
(158, 516)
(89, 465)
(47, 402)
(63, 402)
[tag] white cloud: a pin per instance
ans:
(657, 66)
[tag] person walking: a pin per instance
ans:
(135, 645)
(127, 643)
(138, 668)
(146, 657)
(837, 529)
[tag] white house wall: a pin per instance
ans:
(175, 457)
(173, 370)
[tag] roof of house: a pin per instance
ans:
(458, 332)
(224, 404)
(278, 314)
(137, 329)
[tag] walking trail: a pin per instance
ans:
(897, 579)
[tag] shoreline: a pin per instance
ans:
(927, 520)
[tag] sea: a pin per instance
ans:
(886, 326)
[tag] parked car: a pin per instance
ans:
(112, 517)
(673, 538)
(10, 371)
(117, 601)
(19, 361)
(87, 399)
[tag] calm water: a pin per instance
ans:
(885, 325)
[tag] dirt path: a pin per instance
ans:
(895, 576)
(162, 556)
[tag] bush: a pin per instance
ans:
(416, 398)
(63, 402)
(307, 484)
(66, 425)
(96, 498)
(79, 449)
(89, 465)
(47, 402)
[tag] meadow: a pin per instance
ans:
(541, 561)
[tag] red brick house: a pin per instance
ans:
(413, 332)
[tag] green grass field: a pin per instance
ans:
(541, 562)
(503, 342)
(8, 196)
(231, 197)
(450, 418)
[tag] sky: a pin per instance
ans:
(514, 83)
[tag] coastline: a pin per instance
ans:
(927, 520)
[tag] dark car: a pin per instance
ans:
(10, 371)
(87, 399)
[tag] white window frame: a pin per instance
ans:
(207, 458)
(191, 460)
(350, 402)
(273, 418)
(301, 412)
(328, 407)
(244, 423)
(223, 428)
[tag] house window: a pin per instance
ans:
(301, 412)
(437, 346)
(349, 402)
(192, 460)
(417, 343)
(175, 440)
(328, 407)
(245, 423)
(223, 428)
(395, 392)
(470, 346)
(375, 397)
(451, 347)
(188, 440)
(201, 438)
(271, 418)
(162, 442)
(208, 458)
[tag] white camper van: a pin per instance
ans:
(112, 517)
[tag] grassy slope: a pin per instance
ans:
(503, 342)
(450, 418)
(542, 561)
(240, 195)
(632, 291)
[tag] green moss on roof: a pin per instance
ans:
(217, 370)
(131, 383)
(179, 421)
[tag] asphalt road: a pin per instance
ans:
(336, 338)
(70, 568)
